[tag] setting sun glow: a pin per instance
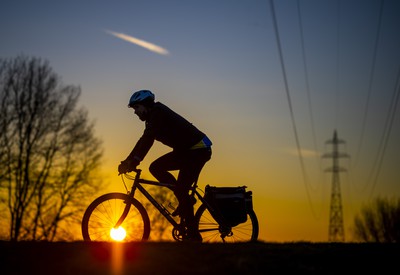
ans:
(118, 234)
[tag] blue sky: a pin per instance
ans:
(223, 73)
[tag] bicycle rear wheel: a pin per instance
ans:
(211, 231)
(103, 213)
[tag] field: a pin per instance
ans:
(194, 258)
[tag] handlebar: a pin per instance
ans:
(136, 170)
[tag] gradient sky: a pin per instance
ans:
(218, 64)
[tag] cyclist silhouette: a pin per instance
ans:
(191, 150)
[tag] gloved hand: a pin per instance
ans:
(127, 166)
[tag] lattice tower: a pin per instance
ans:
(336, 226)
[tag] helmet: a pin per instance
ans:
(142, 96)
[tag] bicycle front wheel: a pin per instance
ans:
(103, 213)
(211, 231)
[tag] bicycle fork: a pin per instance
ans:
(123, 216)
(127, 204)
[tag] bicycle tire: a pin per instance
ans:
(211, 231)
(102, 214)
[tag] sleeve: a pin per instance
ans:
(141, 148)
(144, 144)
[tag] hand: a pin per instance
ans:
(127, 166)
(121, 168)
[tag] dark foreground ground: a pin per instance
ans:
(182, 258)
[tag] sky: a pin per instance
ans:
(268, 82)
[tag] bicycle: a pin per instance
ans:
(114, 210)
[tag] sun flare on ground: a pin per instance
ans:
(118, 234)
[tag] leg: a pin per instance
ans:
(192, 164)
(189, 163)
(160, 167)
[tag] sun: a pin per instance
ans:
(118, 234)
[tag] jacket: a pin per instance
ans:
(167, 127)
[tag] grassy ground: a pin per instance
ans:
(187, 258)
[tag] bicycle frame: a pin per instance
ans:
(137, 184)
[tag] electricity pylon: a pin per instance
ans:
(336, 227)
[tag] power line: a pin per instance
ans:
(289, 101)
(310, 109)
(337, 90)
(387, 130)
(370, 83)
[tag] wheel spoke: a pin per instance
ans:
(104, 212)
(212, 232)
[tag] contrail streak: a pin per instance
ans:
(147, 45)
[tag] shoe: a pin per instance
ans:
(178, 210)
(194, 237)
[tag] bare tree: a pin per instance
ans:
(48, 151)
(379, 222)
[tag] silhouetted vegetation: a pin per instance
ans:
(379, 222)
(48, 152)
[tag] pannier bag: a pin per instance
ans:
(231, 203)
